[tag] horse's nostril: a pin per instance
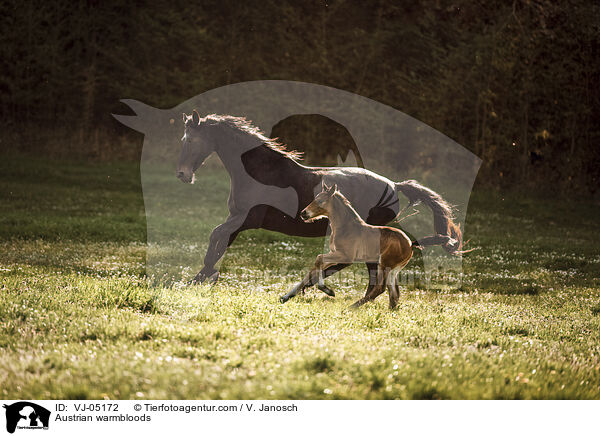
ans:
(180, 174)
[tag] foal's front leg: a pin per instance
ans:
(311, 277)
(315, 275)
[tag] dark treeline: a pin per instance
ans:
(517, 82)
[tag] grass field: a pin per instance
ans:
(79, 319)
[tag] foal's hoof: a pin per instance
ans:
(326, 290)
(283, 299)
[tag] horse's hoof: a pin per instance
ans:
(213, 278)
(356, 305)
(326, 290)
(283, 299)
(210, 276)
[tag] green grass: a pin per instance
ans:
(79, 319)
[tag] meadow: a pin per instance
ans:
(79, 319)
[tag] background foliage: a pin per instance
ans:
(515, 82)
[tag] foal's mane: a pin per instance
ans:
(241, 124)
(344, 199)
(348, 205)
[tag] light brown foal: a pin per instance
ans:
(353, 240)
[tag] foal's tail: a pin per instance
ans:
(448, 234)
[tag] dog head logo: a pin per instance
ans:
(26, 415)
(266, 188)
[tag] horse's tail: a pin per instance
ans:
(448, 234)
(442, 240)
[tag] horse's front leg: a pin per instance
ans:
(220, 238)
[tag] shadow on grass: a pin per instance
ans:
(504, 286)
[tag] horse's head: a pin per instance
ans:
(320, 206)
(195, 149)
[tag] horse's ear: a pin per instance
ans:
(184, 116)
(324, 186)
(195, 118)
(333, 188)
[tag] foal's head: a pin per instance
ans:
(320, 206)
(196, 147)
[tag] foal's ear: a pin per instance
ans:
(195, 118)
(324, 186)
(330, 190)
(185, 117)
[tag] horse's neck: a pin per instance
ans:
(245, 156)
(229, 147)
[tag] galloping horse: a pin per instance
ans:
(353, 240)
(269, 189)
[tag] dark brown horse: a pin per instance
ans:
(269, 189)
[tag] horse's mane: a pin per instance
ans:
(243, 125)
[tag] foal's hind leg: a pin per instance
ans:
(375, 290)
(393, 291)
(393, 283)
(372, 269)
